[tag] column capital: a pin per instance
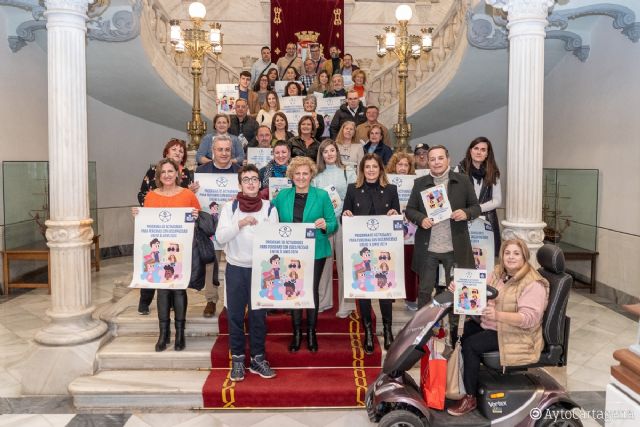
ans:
(79, 5)
(523, 7)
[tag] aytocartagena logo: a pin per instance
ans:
(164, 216)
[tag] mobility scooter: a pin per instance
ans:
(507, 396)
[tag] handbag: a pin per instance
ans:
(433, 376)
(455, 367)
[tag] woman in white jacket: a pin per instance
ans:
(236, 230)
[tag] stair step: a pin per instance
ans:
(126, 391)
(133, 353)
(130, 323)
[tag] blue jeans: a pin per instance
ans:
(238, 283)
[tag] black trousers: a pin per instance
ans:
(386, 308)
(312, 313)
(429, 274)
(475, 341)
(167, 297)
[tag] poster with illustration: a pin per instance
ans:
(470, 296)
(226, 96)
(282, 270)
(405, 185)
(277, 184)
(336, 201)
(373, 257)
(293, 108)
(326, 108)
(216, 189)
(162, 248)
(436, 203)
(482, 244)
(259, 156)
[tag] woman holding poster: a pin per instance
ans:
(169, 194)
(332, 175)
(372, 195)
(175, 149)
(236, 230)
(511, 323)
(480, 165)
(402, 164)
(306, 204)
(276, 168)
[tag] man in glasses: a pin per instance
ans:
(236, 231)
(353, 110)
(316, 57)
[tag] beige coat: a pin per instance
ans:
(518, 346)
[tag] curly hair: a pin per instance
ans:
(299, 161)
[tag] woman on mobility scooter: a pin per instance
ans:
(510, 324)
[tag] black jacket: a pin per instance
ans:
(381, 150)
(299, 148)
(461, 196)
(248, 127)
(342, 115)
(359, 200)
(203, 251)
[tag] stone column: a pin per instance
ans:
(66, 347)
(527, 20)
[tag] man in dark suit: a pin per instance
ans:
(446, 242)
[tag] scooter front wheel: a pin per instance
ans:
(401, 418)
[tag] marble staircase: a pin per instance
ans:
(131, 376)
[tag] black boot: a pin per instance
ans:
(180, 312)
(163, 302)
(386, 307)
(179, 344)
(296, 320)
(364, 305)
(312, 340)
(368, 336)
(163, 337)
(387, 333)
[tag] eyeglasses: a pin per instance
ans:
(252, 180)
(293, 265)
(383, 257)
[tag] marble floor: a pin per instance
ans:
(596, 331)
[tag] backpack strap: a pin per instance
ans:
(234, 206)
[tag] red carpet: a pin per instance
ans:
(336, 376)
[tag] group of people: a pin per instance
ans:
(357, 168)
(313, 74)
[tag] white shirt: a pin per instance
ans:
(238, 242)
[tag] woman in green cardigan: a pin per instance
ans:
(305, 204)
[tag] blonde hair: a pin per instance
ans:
(395, 159)
(500, 270)
(340, 137)
(299, 161)
(357, 73)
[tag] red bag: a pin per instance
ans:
(433, 377)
